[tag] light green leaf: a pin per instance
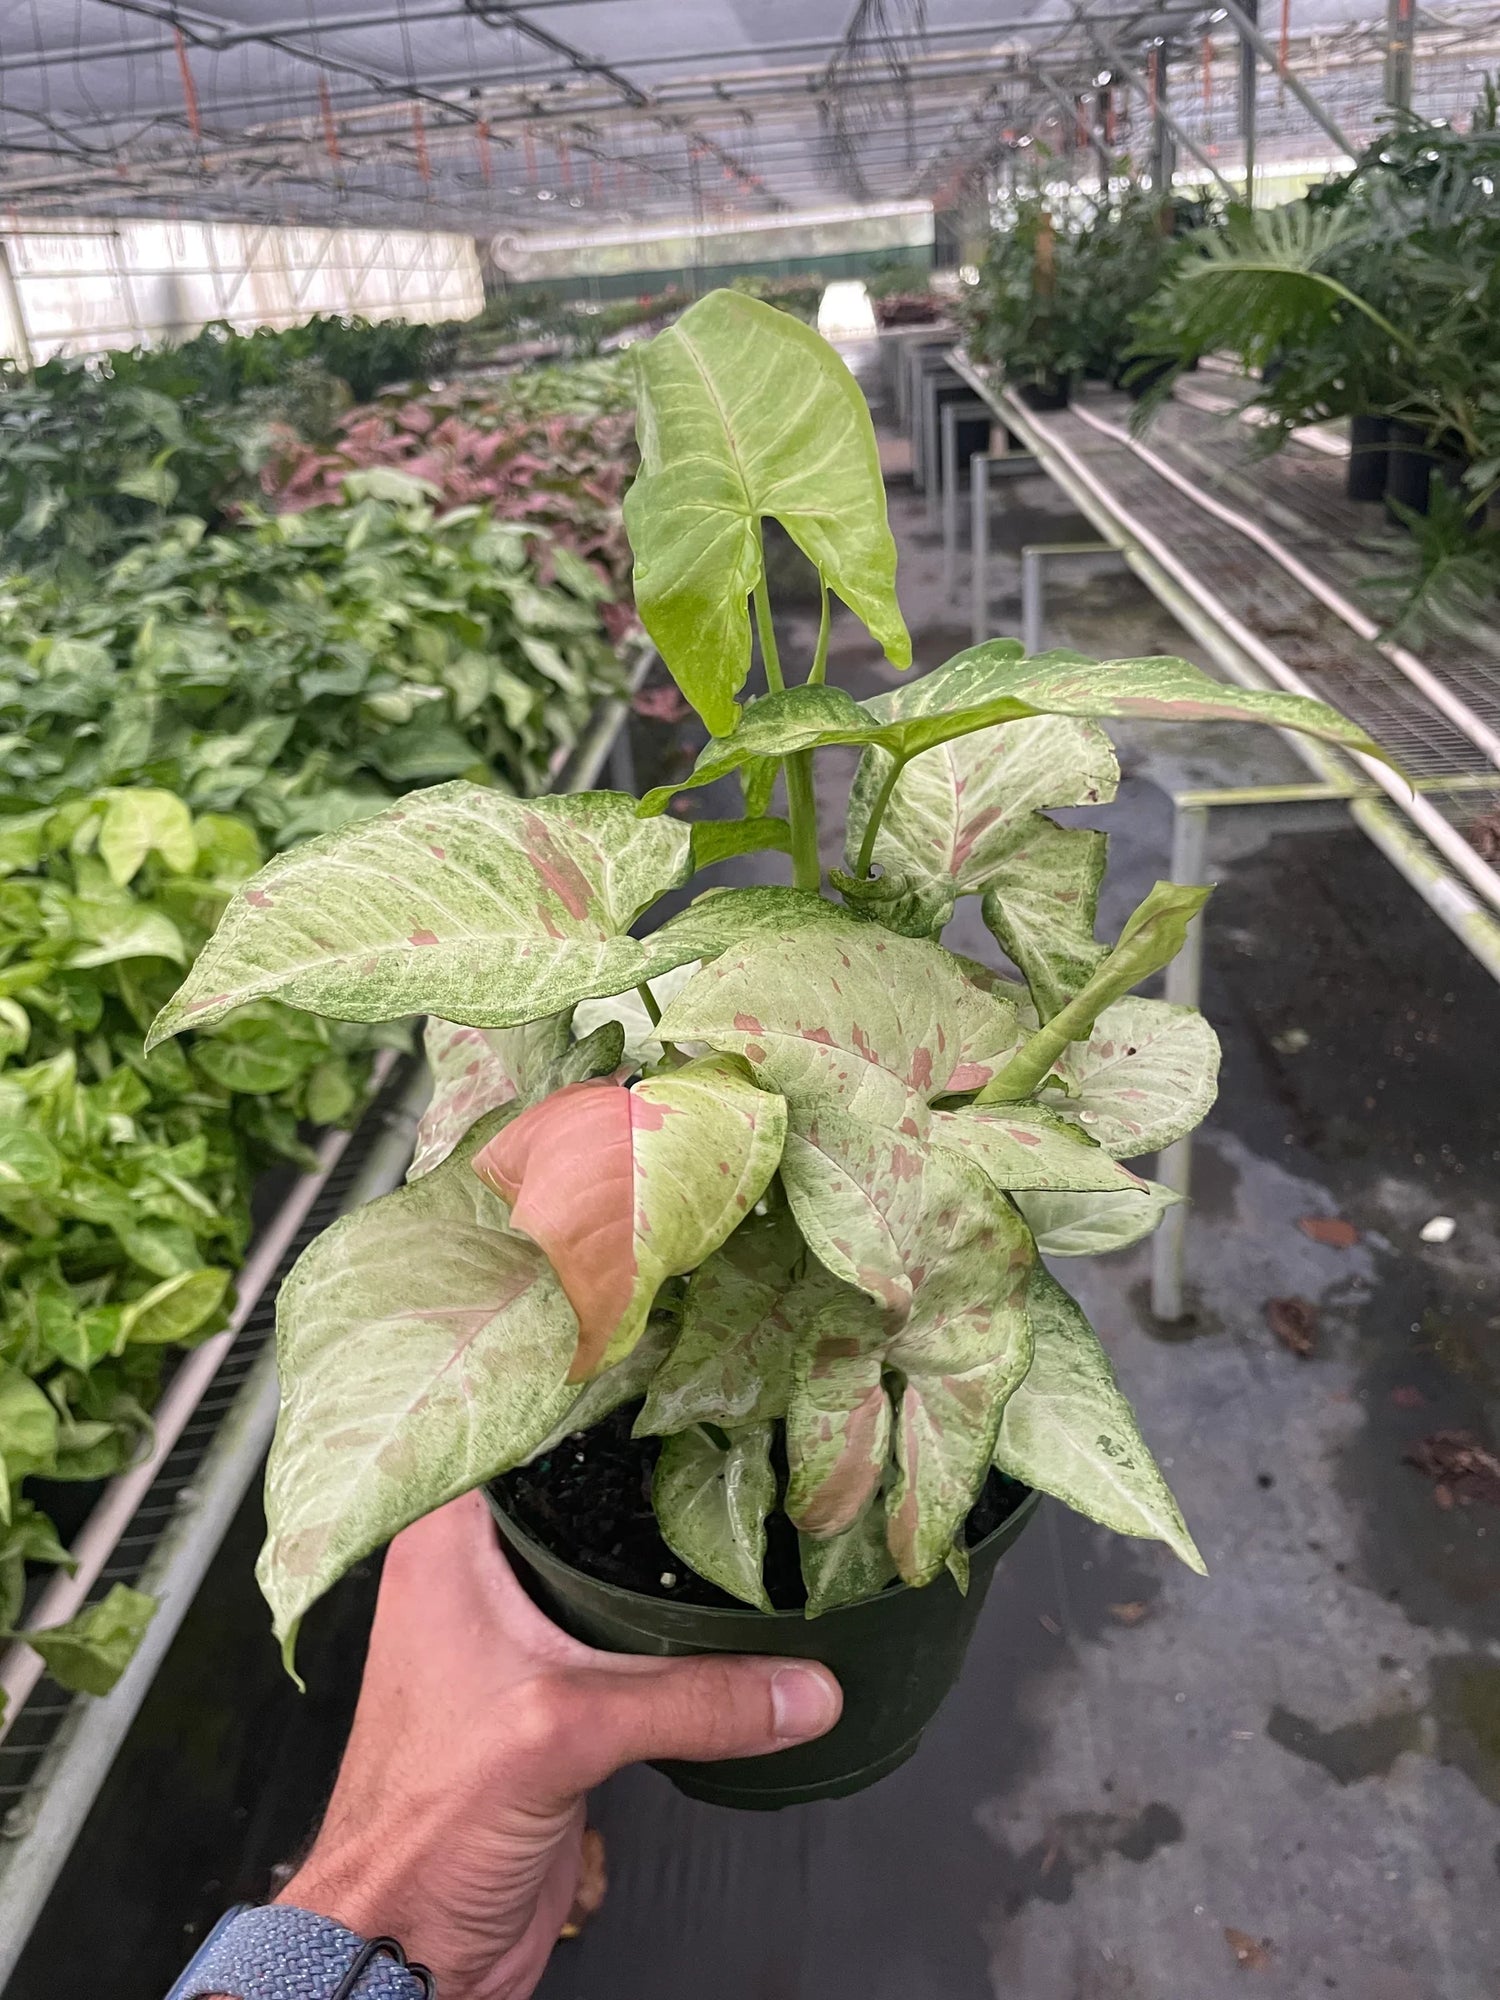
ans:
(139, 820)
(460, 901)
(721, 839)
(475, 1070)
(990, 685)
(155, 482)
(1029, 1146)
(1085, 1225)
(733, 1358)
(1041, 903)
(423, 1347)
(23, 840)
(711, 1503)
(174, 1310)
(642, 1044)
(28, 1159)
(838, 1423)
(1146, 1076)
(1153, 935)
(133, 932)
(742, 412)
(960, 814)
(859, 1030)
(626, 1188)
(91, 1651)
(722, 917)
(28, 1429)
(1068, 1431)
(841, 1569)
(962, 1352)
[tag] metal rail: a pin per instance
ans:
(1223, 637)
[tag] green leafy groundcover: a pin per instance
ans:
(125, 1179)
(304, 669)
(783, 1163)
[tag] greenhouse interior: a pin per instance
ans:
(749, 912)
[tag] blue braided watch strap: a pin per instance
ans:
(281, 1953)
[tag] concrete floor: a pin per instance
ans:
(1146, 1786)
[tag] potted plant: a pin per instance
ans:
(751, 1205)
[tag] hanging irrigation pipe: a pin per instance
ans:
(1449, 842)
(1401, 658)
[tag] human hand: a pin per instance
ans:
(456, 1824)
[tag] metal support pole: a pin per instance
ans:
(932, 472)
(1184, 983)
(1248, 85)
(950, 498)
(1033, 609)
(1321, 118)
(1163, 150)
(979, 544)
(1110, 52)
(1401, 21)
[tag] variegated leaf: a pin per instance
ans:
(475, 1070)
(625, 1188)
(732, 1361)
(1068, 1431)
(961, 814)
(1041, 903)
(459, 901)
(962, 1352)
(423, 1347)
(642, 1044)
(859, 1030)
(711, 1501)
(1153, 935)
(1029, 1146)
(1147, 1075)
(989, 685)
(1085, 1225)
(627, 1379)
(838, 1425)
(723, 917)
(841, 1569)
(743, 412)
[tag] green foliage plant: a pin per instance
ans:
(781, 1168)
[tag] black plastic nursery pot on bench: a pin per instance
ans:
(895, 1655)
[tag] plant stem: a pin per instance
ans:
(801, 806)
(770, 657)
(819, 672)
(648, 1001)
(877, 814)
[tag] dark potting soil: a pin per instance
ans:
(589, 1501)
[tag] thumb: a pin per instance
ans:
(700, 1709)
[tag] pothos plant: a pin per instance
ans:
(782, 1162)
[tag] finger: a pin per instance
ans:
(447, 1577)
(698, 1709)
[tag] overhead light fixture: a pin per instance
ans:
(1103, 78)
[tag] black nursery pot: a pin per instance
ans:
(1049, 395)
(1369, 457)
(896, 1655)
(1412, 464)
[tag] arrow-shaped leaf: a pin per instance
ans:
(743, 412)
(1030, 1146)
(838, 1426)
(1086, 1225)
(625, 1188)
(462, 902)
(423, 1347)
(989, 685)
(711, 1500)
(1147, 1074)
(1068, 1431)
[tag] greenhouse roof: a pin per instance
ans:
(489, 117)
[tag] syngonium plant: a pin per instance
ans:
(782, 1161)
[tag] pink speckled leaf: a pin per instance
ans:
(745, 1305)
(475, 1070)
(625, 1188)
(963, 1351)
(1030, 1146)
(1147, 1074)
(859, 1030)
(460, 901)
(838, 1426)
(966, 813)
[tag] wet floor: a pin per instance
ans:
(1284, 1780)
